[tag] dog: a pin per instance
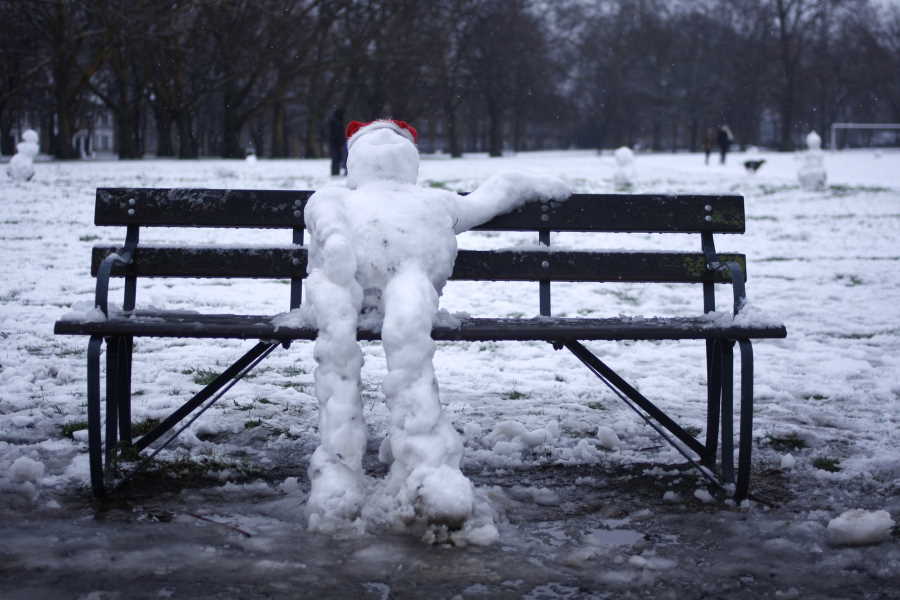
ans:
(753, 166)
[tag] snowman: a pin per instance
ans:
(21, 165)
(380, 252)
(812, 173)
(623, 176)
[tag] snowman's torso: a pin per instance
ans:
(394, 224)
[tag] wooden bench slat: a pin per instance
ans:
(195, 325)
(480, 265)
(284, 209)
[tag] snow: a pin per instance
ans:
(823, 262)
(859, 527)
(788, 461)
(26, 469)
(607, 438)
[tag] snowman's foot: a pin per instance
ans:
(336, 498)
(445, 497)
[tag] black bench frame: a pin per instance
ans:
(706, 215)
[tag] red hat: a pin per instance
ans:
(355, 129)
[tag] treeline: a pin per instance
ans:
(211, 77)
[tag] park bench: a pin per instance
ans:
(703, 215)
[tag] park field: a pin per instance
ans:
(581, 515)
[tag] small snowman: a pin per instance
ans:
(21, 166)
(812, 174)
(623, 177)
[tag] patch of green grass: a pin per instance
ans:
(252, 423)
(515, 395)
(144, 427)
(264, 401)
(817, 397)
(88, 238)
(786, 443)
(441, 185)
(849, 280)
(832, 465)
(846, 190)
(626, 298)
(68, 429)
(776, 259)
(292, 385)
(189, 471)
(596, 405)
(293, 371)
(201, 376)
(768, 190)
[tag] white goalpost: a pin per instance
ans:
(864, 126)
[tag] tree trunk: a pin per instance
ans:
(279, 133)
(452, 134)
(7, 143)
(787, 121)
(164, 147)
(187, 142)
(517, 132)
(495, 130)
(62, 138)
(128, 143)
(232, 125)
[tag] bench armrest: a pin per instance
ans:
(738, 278)
(125, 257)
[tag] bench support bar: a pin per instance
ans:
(118, 402)
(719, 405)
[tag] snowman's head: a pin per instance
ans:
(382, 150)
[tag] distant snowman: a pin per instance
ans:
(21, 165)
(624, 175)
(812, 174)
(381, 250)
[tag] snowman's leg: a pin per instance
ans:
(426, 449)
(335, 469)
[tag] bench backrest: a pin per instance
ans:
(145, 207)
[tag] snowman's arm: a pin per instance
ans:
(502, 193)
(330, 248)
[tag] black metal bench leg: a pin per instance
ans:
(126, 349)
(95, 451)
(742, 489)
(713, 400)
(727, 411)
(112, 400)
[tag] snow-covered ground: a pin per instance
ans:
(591, 504)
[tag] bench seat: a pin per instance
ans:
(147, 323)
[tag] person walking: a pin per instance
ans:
(724, 138)
(708, 141)
(337, 143)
